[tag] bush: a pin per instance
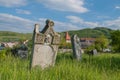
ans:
(115, 36)
(89, 48)
(4, 53)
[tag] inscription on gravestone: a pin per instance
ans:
(45, 46)
(76, 46)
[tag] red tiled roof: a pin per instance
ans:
(87, 38)
(67, 36)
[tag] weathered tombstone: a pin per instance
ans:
(21, 51)
(94, 52)
(76, 46)
(45, 46)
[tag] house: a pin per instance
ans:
(85, 42)
(8, 44)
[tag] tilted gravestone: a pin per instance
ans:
(76, 46)
(45, 46)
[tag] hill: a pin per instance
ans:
(89, 32)
(14, 36)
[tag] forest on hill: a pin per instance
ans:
(87, 32)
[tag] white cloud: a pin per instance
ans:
(12, 3)
(15, 23)
(117, 7)
(81, 22)
(64, 26)
(65, 5)
(20, 11)
(10, 22)
(59, 26)
(113, 24)
(74, 19)
(103, 17)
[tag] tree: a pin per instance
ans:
(101, 43)
(64, 44)
(115, 36)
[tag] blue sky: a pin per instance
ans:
(21, 15)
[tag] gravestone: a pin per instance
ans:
(93, 52)
(45, 46)
(76, 46)
(21, 51)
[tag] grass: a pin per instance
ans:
(99, 67)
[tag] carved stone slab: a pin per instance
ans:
(76, 46)
(45, 46)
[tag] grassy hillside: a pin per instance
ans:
(94, 33)
(14, 36)
(88, 32)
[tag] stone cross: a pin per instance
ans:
(76, 46)
(45, 46)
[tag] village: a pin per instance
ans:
(84, 43)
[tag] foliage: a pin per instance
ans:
(105, 31)
(100, 67)
(89, 48)
(4, 53)
(115, 36)
(29, 44)
(88, 32)
(64, 44)
(101, 43)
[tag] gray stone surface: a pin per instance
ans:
(45, 46)
(21, 51)
(93, 52)
(76, 46)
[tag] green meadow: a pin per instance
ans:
(98, 67)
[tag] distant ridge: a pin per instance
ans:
(87, 32)
(91, 32)
(14, 36)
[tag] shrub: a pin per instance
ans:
(5, 52)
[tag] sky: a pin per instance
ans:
(21, 15)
